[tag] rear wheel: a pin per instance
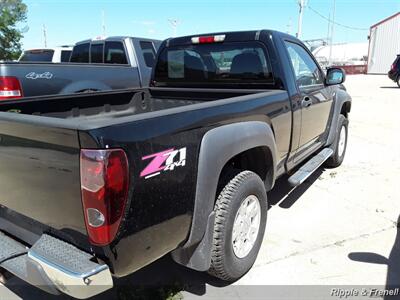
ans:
(340, 143)
(241, 215)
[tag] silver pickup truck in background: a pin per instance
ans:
(95, 65)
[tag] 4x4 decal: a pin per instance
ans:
(166, 160)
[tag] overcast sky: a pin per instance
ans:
(69, 21)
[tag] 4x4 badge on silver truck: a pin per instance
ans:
(34, 76)
(163, 161)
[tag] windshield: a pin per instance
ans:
(37, 55)
(216, 64)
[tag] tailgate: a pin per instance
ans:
(37, 78)
(39, 180)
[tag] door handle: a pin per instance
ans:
(306, 102)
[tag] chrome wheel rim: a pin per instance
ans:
(246, 226)
(342, 141)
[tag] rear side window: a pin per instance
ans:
(80, 54)
(114, 53)
(65, 55)
(38, 55)
(217, 63)
(149, 54)
(96, 53)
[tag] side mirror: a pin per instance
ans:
(335, 76)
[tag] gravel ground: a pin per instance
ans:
(337, 230)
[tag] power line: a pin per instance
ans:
(336, 23)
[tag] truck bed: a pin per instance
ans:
(103, 106)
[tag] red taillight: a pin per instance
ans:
(10, 88)
(208, 39)
(393, 67)
(104, 186)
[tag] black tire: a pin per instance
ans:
(224, 262)
(398, 81)
(336, 159)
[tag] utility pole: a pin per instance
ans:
(302, 4)
(174, 23)
(328, 35)
(103, 23)
(44, 35)
(332, 32)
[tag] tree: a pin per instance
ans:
(12, 13)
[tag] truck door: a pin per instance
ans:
(316, 99)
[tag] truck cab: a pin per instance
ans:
(117, 51)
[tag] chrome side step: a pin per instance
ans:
(313, 164)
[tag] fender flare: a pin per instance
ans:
(218, 146)
(84, 85)
(341, 97)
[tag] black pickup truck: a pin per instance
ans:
(96, 186)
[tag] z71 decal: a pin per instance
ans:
(163, 161)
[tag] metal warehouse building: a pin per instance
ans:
(384, 44)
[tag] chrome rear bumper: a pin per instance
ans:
(55, 266)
